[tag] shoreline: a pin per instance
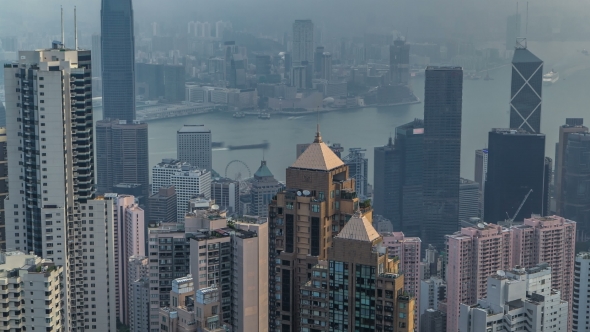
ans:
(325, 110)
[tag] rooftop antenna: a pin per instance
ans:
(75, 30)
(62, 27)
(318, 137)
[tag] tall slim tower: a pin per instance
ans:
(302, 41)
(96, 59)
(51, 180)
(443, 99)
(526, 90)
(399, 62)
(571, 126)
(118, 60)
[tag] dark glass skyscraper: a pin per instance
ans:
(576, 184)
(443, 99)
(516, 164)
(398, 178)
(399, 62)
(118, 60)
(526, 91)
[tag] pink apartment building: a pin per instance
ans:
(408, 251)
(475, 253)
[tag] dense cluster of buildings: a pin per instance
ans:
(188, 250)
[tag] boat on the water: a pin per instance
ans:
(239, 114)
(264, 116)
(551, 77)
(263, 145)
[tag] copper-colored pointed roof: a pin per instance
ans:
(358, 228)
(318, 156)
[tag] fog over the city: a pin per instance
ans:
(476, 20)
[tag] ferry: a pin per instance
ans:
(551, 77)
(239, 114)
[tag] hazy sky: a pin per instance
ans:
(422, 18)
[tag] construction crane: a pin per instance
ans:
(509, 221)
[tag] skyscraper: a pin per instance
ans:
(526, 90)
(194, 146)
(397, 193)
(302, 42)
(264, 188)
(576, 197)
(480, 174)
(399, 62)
(358, 167)
(97, 56)
(301, 226)
(516, 165)
(118, 60)
(581, 293)
(572, 125)
(3, 187)
(317, 60)
(327, 66)
(51, 180)
(162, 205)
(468, 200)
(122, 151)
(443, 99)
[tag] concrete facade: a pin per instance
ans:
(194, 146)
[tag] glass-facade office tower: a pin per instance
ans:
(526, 90)
(398, 178)
(302, 41)
(399, 62)
(443, 99)
(576, 183)
(118, 60)
(516, 164)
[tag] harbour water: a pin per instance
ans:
(485, 106)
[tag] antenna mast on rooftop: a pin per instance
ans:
(75, 30)
(62, 27)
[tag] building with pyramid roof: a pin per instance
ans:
(264, 187)
(318, 200)
(359, 287)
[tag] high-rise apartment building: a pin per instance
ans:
(468, 200)
(474, 254)
(264, 187)
(118, 60)
(398, 175)
(358, 288)
(433, 321)
(550, 240)
(407, 249)
(301, 226)
(581, 299)
(432, 291)
(180, 316)
(33, 293)
(139, 294)
(358, 169)
(194, 146)
(303, 45)
(526, 90)
(122, 154)
(129, 229)
(443, 98)
(162, 205)
(232, 256)
(263, 66)
(517, 300)
(516, 165)
(399, 62)
(51, 184)
(167, 242)
(575, 200)
(3, 187)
